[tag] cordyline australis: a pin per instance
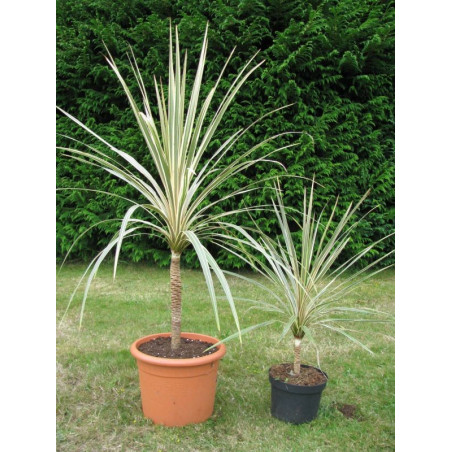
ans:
(177, 204)
(305, 289)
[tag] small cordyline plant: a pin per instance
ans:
(305, 289)
(177, 202)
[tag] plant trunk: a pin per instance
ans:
(176, 300)
(296, 352)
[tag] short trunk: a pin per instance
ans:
(176, 300)
(296, 351)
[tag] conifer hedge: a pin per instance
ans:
(333, 60)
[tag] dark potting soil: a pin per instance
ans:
(309, 376)
(189, 348)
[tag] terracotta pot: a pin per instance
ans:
(176, 392)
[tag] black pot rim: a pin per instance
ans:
(296, 388)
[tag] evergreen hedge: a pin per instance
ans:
(333, 60)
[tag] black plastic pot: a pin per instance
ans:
(295, 404)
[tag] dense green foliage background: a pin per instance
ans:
(334, 60)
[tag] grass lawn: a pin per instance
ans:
(98, 397)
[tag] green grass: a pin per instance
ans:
(98, 398)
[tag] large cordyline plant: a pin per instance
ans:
(177, 202)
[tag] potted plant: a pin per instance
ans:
(178, 388)
(304, 294)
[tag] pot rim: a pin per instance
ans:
(288, 387)
(178, 362)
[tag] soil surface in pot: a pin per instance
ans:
(309, 376)
(189, 348)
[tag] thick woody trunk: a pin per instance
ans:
(296, 351)
(176, 300)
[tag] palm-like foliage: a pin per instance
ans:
(177, 202)
(305, 289)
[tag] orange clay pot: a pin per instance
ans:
(176, 392)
